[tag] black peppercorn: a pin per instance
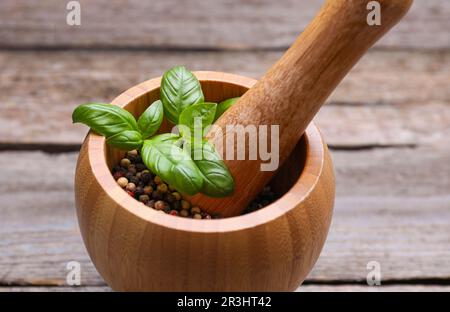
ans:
(140, 166)
(157, 195)
(139, 191)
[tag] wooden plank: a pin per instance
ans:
(56, 289)
(390, 98)
(386, 211)
(230, 24)
(304, 288)
(359, 288)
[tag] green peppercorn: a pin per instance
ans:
(162, 188)
(195, 210)
(184, 213)
(197, 216)
(160, 205)
(146, 171)
(185, 204)
(148, 190)
(144, 198)
(125, 162)
(176, 195)
(131, 187)
(122, 182)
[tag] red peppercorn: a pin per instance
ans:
(130, 193)
(118, 175)
(173, 213)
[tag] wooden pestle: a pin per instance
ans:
(293, 90)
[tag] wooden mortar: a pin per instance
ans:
(138, 248)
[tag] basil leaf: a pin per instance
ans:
(166, 137)
(172, 164)
(151, 119)
(106, 119)
(198, 116)
(223, 106)
(217, 179)
(126, 140)
(179, 89)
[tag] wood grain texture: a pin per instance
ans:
(137, 248)
(407, 230)
(228, 24)
(408, 89)
(305, 288)
(382, 288)
(293, 90)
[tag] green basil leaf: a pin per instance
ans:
(197, 117)
(223, 106)
(126, 140)
(166, 137)
(151, 119)
(179, 89)
(106, 119)
(172, 164)
(217, 179)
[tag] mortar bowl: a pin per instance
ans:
(136, 248)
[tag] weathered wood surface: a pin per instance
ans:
(305, 288)
(407, 229)
(197, 24)
(389, 98)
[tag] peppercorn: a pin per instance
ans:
(132, 169)
(162, 188)
(157, 180)
(132, 153)
(145, 177)
(184, 213)
(176, 195)
(140, 166)
(138, 159)
(160, 205)
(176, 205)
(131, 194)
(144, 198)
(151, 203)
(148, 190)
(157, 195)
(197, 216)
(139, 191)
(195, 210)
(169, 198)
(125, 162)
(171, 188)
(207, 216)
(129, 175)
(118, 175)
(134, 180)
(151, 183)
(138, 175)
(131, 187)
(185, 204)
(122, 182)
(173, 213)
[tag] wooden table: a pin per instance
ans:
(387, 124)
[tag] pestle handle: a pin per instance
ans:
(293, 90)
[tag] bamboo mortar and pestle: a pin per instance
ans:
(273, 249)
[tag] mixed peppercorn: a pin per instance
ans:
(140, 183)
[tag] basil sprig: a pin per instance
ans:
(189, 164)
